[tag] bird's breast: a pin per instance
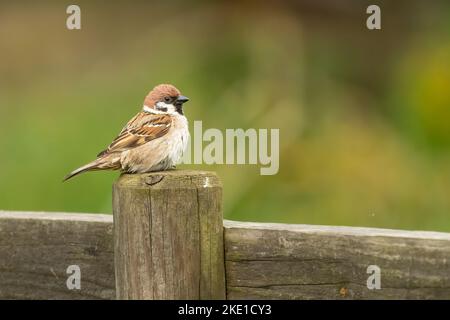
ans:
(161, 153)
(179, 138)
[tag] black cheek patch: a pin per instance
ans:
(163, 109)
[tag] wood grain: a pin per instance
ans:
(278, 261)
(263, 261)
(36, 249)
(169, 236)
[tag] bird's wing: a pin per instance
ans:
(143, 128)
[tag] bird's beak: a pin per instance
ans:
(182, 99)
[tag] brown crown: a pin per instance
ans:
(159, 92)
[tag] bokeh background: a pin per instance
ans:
(364, 116)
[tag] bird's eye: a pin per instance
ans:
(167, 99)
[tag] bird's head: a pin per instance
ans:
(165, 98)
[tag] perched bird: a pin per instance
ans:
(154, 140)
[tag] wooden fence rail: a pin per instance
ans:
(168, 241)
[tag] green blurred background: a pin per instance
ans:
(364, 116)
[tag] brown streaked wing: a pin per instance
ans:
(141, 129)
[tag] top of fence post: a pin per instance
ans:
(168, 236)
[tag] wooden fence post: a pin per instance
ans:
(168, 236)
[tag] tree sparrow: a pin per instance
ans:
(153, 140)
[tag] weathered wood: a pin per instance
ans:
(279, 261)
(168, 232)
(37, 248)
(273, 261)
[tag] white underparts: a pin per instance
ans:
(162, 153)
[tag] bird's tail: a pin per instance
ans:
(102, 163)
